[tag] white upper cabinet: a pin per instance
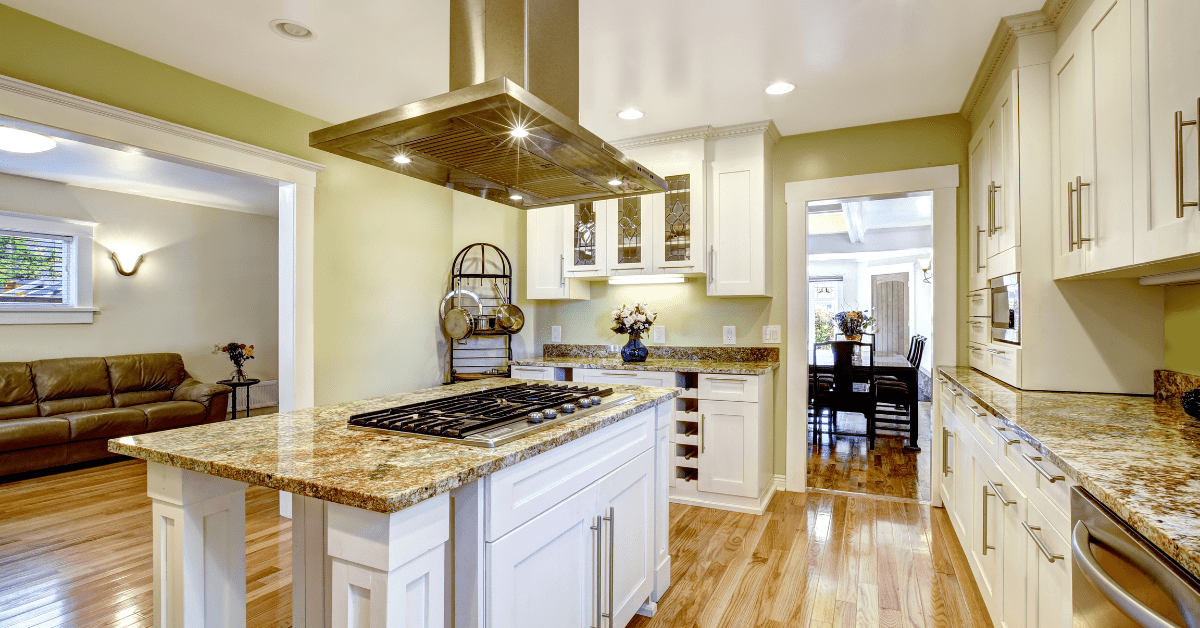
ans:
(628, 247)
(980, 164)
(1005, 214)
(739, 248)
(546, 256)
(1172, 226)
(586, 238)
(677, 225)
(1069, 120)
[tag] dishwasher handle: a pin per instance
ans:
(1139, 612)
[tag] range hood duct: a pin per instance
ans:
(502, 52)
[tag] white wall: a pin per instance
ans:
(210, 277)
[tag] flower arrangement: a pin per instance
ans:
(238, 354)
(853, 323)
(634, 321)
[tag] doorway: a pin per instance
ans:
(887, 244)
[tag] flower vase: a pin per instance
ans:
(238, 375)
(634, 350)
(854, 337)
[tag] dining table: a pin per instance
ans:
(892, 364)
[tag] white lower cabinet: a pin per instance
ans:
(985, 532)
(541, 373)
(729, 465)
(626, 499)
(1048, 574)
(628, 378)
(1013, 506)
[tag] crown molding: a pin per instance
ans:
(33, 90)
(764, 127)
(1007, 32)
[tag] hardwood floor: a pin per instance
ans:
(844, 463)
(75, 551)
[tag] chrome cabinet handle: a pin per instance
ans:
(943, 380)
(955, 392)
(946, 435)
(701, 433)
(562, 271)
(1050, 557)
(977, 295)
(1136, 610)
(622, 374)
(612, 536)
(1004, 501)
(597, 550)
(1070, 220)
(991, 206)
(1033, 460)
(986, 547)
(725, 379)
(1079, 185)
(979, 265)
(977, 413)
(996, 352)
(1179, 124)
(1000, 432)
(712, 268)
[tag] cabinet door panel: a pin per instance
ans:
(980, 165)
(737, 246)
(1008, 196)
(1013, 549)
(986, 521)
(585, 238)
(544, 572)
(678, 228)
(629, 492)
(629, 250)
(728, 447)
(1070, 121)
(546, 252)
(1049, 583)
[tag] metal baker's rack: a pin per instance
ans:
(486, 271)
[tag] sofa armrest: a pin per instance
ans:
(195, 390)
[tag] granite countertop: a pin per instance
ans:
(1140, 457)
(654, 364)
(312, 452)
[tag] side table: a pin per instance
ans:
(235, 386)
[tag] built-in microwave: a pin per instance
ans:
(1006, 309)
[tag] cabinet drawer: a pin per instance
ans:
(521, 492)
(1004, 363)
(978, 357)
(979, 330)
(1049, 482)
(728, 388)
(543, 373)
(979, 304)
(628, 378)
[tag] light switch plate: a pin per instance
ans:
(729, 334)
(660, 334)
(772, 334)
(555, 333)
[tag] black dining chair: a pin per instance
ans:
(847, 393)
(893, 413)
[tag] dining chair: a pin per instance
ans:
(894, 412)
(848, 392)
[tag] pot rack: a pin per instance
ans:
(483, 269)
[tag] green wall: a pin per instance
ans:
(1181, 329)
(365, 217)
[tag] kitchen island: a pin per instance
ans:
(390, 530)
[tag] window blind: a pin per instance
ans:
(35, 269)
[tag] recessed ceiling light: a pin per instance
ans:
(630, 114)
(292, 30)
(402, 159)
(519, 132)
(615, 182)
(780, 88)
(515, 197)
(18, 141)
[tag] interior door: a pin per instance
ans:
(728, 442)
(544, 572)
(628, 494)
(1070, 121)
(889, 304)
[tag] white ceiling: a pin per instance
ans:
(75, 161)
(685, 64)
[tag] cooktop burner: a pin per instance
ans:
(487, 418)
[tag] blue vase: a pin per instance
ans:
(634, 350)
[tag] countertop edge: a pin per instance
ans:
(1143, 525)
(374, 503)
(567, 363)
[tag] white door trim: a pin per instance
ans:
(33, 106)
(943, 180)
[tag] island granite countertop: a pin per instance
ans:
(312, 452)
(671, 359)
(1140, 457)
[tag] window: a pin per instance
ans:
(824, 299)
(45, 270)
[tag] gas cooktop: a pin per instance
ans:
(487, 418)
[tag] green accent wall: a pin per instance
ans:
(1182, 329)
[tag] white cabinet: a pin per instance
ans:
(677, 220)
(986, 519)
(626, 505)
(541, 373)
(626, 221)
(980, 165)
(1172, 226)
(546, 256)
(738, 247)
(586, 238)
(630, 378)
(1096, 174)
(1013, 548)
(1048, 574)
(993, 170)
(729, 448)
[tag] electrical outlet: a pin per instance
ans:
(729, 333)
(660, 334)
(772, 334)
(555, 333)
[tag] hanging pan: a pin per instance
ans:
(457, 322)
(509, 317)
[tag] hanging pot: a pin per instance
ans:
(458, 322)
(509, 317)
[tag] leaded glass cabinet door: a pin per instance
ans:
(586, 238)
(628, 249)
(677, 232)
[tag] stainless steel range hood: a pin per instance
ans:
(501, 53)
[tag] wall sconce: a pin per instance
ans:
(128, 273)
(925, 264)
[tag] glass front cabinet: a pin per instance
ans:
(677, 234)
(586, 239)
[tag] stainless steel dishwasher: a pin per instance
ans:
(1119, 579)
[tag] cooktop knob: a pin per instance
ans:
(595, 399)
(567, 408)
(585, 402)
(536, 417)
(550, 413)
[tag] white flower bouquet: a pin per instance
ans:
(634, 321)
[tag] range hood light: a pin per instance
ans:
(519, 132)
(630, 114)
(615, 182)
(515, 197)
(18, 141)
(402, 159)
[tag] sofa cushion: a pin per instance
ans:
(105, 423)
(71, 385)
(144, 378)
(168, 414)
(33, 432)
(17, 397)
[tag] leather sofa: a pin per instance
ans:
(56, 412)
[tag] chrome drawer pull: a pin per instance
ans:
(725, 379)
(996, 489)
(1041, 546)
(597, 551)
(612, 538)
(946, 434)
(1179, 124)
(1000, 432)
(1033, 460)
(622, 374)
(977, 413)
(986, 547)
(955, 392)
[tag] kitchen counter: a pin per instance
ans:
(1138, 456)
(312, 452)
(653, 364)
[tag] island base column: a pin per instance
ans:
(199, 548)
(389, 569)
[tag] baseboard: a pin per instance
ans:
(780, 483)
(735, 504)
(648, 609)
